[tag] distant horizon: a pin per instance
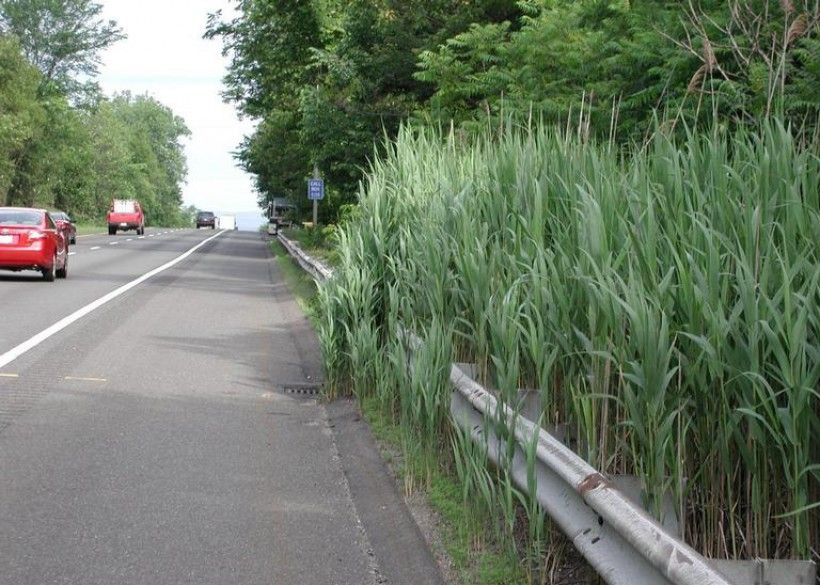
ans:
(249, 220)
(246, 221)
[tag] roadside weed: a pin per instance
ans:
(663, 303)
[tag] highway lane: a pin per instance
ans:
(97, 265)
(153, 442)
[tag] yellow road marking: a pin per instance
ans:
(9, 375)
(72, 378)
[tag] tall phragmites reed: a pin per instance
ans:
(664, 302)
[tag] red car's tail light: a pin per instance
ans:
(32, 236)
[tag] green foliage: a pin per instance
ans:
(650, 267)
(62, 38)
(269, 45)
(157, 166)
(466, 70)
(663, 301)
(801, 94)
(300, 283)
(126, 148)
(57, 155)
(326, 78)
(45, 165)
(624, 63)
(476, 559)
(20, 112)
(329, 79)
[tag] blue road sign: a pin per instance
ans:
(316, 189)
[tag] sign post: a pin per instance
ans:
(273, 226)
(316, 191)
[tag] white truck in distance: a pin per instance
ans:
(226, 222)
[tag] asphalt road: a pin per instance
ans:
(151, 439)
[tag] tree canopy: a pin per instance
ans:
(62, 38)
(328, 80)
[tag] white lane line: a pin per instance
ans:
(16, 352)
(113, 243)
(71, 253)
(141, 238)
(95, 248)
(151, 235)
(89, 235)
(130, 240)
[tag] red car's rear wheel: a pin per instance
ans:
(50, 272)
(63, 272)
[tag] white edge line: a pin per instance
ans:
(29, 344)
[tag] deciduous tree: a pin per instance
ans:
(63, 38)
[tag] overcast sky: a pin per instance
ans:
(166, 56)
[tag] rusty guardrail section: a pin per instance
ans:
(617, 537)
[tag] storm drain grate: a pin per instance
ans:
(303, 390)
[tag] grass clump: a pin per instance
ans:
(463, 533)
(301, 285)
(318, 242)
(87, 229)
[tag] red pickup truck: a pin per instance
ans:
(125, 214)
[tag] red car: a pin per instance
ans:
(65, 223)
(125, 214)
(31, 240)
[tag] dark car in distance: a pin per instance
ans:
(205, 219)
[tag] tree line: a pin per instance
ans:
(63, 143)
(328, 80)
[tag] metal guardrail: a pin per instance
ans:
(617, 537)
(316, 269)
